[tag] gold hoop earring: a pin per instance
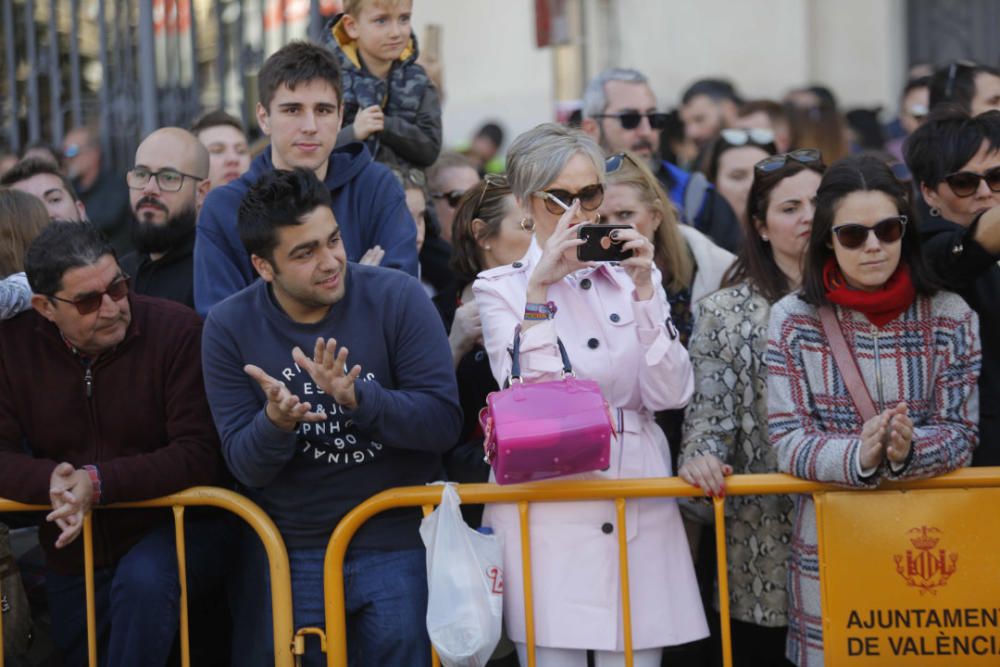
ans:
(527, 225)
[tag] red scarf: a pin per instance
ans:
(881, 306)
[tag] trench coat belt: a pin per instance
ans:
(629, 423)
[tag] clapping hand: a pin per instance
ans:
(283, 408)
(328, 369)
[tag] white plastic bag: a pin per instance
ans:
(465, 581)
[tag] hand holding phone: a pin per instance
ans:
(599, 246)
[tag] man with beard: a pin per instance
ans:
(166, 188)
(619, 110)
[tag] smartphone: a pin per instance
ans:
(599, 246)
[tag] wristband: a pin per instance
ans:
(539, 311)
(95, 481)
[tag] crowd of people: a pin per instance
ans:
(321, 319)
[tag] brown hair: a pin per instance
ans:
(487, 201)
(22, 218)
(670, 250)
(755, 261)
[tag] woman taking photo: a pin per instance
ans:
(955, 159)
(725, 427)
(614, 323)
(917, 351)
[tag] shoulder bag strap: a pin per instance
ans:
(847, 364)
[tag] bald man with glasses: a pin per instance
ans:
(167, 186)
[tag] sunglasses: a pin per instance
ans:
(630, 118)
(965, 183)
(452, 197)
(854, 236)
(91, 303)
(614, 163)
(759, 136)
(494, 180)
(775, 162)
(591, 198)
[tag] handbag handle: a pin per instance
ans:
(846, 363)
(515, 353)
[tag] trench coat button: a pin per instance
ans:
(585, 283)
(607, 529)
(614, 317)
(593, 343)
(517, 265)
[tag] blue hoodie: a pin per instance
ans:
(368, 203)
(407, 413)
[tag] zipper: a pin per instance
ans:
(88, 382)
(878, 370)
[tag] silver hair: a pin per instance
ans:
(595, 97)
(537, 157)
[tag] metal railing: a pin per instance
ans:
(289, 645)
(201, 496)
(333, 638)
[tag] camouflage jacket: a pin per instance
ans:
(412, 133)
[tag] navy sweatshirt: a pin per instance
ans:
(407, 413)
(368, 203)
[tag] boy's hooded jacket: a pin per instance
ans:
(368, 204)
(412, 134)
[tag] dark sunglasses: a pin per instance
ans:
(91, 303)
(854, 235)
(452, 197)
(630, 119)
(775, 162)
(965, 183)
(591, 198)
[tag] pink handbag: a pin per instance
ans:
(545, 429)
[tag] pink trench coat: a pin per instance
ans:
(627, 346)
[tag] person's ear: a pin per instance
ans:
(43, 306)
(479, 229)
(262, 119)
(263, 267)
(350, 26)
(204, 185)
(589, 126)
(761, 228)
(931, 196)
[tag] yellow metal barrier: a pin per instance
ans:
(556, 491)
(201, 496)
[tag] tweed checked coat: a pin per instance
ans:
(929, 356)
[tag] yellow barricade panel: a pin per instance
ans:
(910, 577)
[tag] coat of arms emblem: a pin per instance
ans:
(926, 567)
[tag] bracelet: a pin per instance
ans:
(539, 311)
(95, 481)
